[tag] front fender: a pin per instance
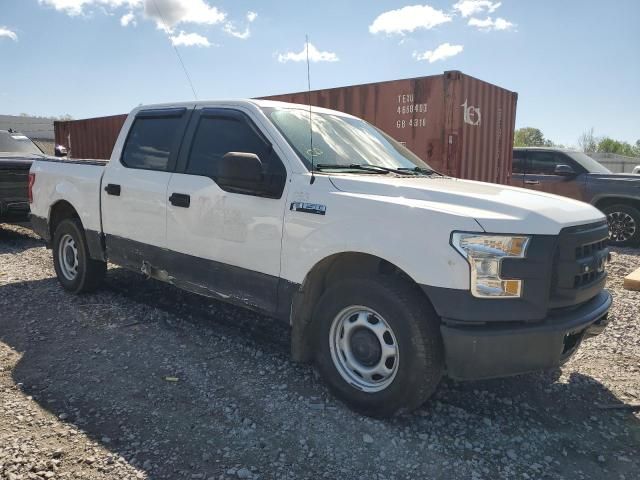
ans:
(413, 239)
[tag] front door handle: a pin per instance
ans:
(180, 200)
(532, 182)
(112, 189)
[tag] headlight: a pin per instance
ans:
(484, 254)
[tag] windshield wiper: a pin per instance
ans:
(365, 167)
(420, 170)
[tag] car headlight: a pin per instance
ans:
(485, 254)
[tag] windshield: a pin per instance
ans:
(591, 165)
(18, 143)
(341, 141)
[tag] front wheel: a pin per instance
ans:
(624, 225)
(378, 344)
(77, 272)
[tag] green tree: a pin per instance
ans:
(609, 145)
(529, 137)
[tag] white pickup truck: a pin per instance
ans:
(390, 274)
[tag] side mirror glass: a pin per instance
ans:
(241, 171)
(564, 170)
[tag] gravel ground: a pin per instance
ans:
(141, 380)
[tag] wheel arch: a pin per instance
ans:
(324, 273)
(62, 210)
(604, 202)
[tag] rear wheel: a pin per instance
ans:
(378, 344)
(624, 224)
(77, 272)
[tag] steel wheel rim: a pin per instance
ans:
(622, 226)
(68, 257)
(352, 344)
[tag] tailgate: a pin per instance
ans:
(14, 180)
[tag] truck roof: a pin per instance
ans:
(241, 102)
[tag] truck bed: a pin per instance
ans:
(74, 181)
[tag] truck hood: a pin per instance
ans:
(497, 208)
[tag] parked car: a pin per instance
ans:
(574, 174)
(17, 152)
(636, 170)
(390, 274)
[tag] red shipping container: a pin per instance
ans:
(459, 125)
(89, 138)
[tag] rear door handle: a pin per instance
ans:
(112, 189)
(532, 182)
(180, 200)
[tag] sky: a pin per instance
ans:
(574, 63)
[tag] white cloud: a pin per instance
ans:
(76, 7)
(408, 19)
(489, 24)
(441, 52)
(231, 29)
(315, 55)
(502, 24)
(184, 39)
(5, 32)
(128, 19)
(472, 7)
(169, 13)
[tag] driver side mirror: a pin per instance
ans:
(564, 170)
(240, 171)
(60, 151)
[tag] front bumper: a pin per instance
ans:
(499, 350)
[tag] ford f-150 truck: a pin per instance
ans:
(576, 175)
(390, 274)
(17, 152)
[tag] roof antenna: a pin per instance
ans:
(186, 73)
(306, 46)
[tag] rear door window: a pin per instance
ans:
(518, 161)
(153, 141)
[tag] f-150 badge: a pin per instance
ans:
(308, 208)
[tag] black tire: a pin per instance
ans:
(89, 272)
(623, 219)
(415, 326)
